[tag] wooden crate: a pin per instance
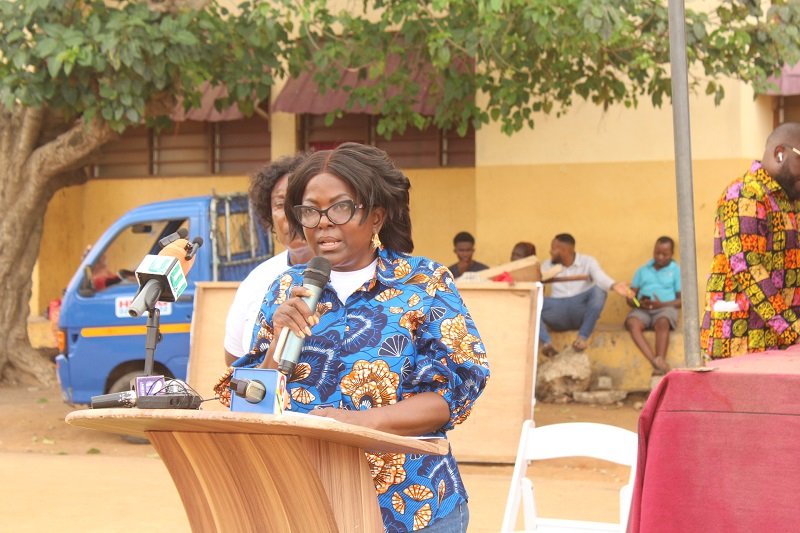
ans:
(206, 352)
(506, 319)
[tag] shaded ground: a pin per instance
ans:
(62, 478)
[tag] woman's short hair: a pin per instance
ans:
(263, 182)
(377, 182)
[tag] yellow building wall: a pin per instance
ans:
(615, 211)
(443, 203)
(586, 134)
(608, 178)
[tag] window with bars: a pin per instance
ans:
(428, 148)
(189, 148)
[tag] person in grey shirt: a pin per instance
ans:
(577, 296)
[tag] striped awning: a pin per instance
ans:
(302, 94)
(207, 112)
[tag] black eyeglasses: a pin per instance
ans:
(339, 213)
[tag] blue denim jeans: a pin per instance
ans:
(576, 312)
(455, 522)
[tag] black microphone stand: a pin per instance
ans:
(146, 301)
(152, 339)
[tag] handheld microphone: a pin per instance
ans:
(191, 249)
(288, 348)
(161, 277)
(115, 399)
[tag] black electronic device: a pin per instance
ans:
(175, 394)
(169, 401)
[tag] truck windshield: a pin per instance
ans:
(118, 261)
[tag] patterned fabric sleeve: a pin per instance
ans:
(742, 226)
(451, 359)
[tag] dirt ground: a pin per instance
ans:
(61, 478)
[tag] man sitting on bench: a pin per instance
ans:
(577, 296)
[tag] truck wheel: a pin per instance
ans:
(123, 384)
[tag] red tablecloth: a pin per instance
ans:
(720, 450)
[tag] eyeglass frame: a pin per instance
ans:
(322, 212)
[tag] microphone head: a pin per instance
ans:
(177, 249)
(182, 233)
(317, 272)
(198, 241)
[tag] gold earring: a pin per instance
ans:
(376, 241)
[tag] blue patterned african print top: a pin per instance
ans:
(404, 332)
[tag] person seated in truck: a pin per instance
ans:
(655, 302)
(267, 195)
(102, 276)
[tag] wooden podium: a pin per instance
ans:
(251, 472)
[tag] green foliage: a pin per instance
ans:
(98, 59)
(527, 57)
(504, 60)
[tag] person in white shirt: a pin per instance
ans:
(577, 296)
(267, 195)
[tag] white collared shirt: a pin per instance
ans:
(583, 265)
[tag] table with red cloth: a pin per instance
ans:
(719, 450)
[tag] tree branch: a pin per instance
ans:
(7, 126)
(29, 130)
(260, 112)
(68, 151)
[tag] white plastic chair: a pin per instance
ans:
(572, 439)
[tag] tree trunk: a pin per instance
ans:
(30, 174)
(19, 362)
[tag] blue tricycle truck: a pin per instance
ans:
(101, 346)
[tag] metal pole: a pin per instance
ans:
(683, 176)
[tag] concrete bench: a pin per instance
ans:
(613, 353)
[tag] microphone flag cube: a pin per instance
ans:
(271, 382)
(166, 269)
(149, 385)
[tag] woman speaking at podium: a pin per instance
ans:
(390, 345)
